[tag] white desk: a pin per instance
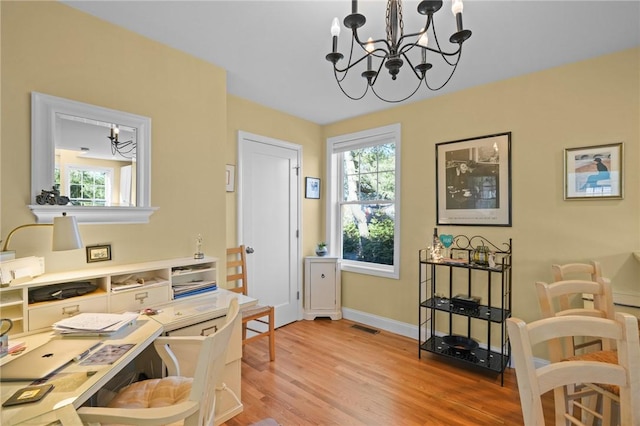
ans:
(182, 316)
(73, 384)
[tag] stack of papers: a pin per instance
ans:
(94, 324)
(193, 287)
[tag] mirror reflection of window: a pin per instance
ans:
(92, 173)
(89, 187)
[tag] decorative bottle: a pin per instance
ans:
(436, 247)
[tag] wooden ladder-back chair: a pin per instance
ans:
(565, 298)
(237, 277)
(174, 399)
(533, 382)
(582, 271)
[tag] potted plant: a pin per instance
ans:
(321, 249)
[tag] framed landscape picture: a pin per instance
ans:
(473, 181)
(593, 172)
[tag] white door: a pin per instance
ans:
(268, 222)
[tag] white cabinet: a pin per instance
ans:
(322, 288)
(119, 288)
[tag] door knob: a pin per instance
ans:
(249, 250)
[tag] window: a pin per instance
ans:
(89, 186)
(363, 220)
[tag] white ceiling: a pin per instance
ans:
(274, 51)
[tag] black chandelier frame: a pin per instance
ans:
(394, 53)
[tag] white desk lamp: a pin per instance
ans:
(66, 235)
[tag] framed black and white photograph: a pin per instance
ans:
(473, 181)
(99, 253)
(312, 188)
(593, 172)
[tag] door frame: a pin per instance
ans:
(242, 136)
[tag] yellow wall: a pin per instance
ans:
(588, 103)
(254, 118)
(51, 48)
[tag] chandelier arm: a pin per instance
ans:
(345, 71)
(397, 100)
(348, 67)
(442, 53)
(426, 83)
(363, 45)
(407, 47)
(411, 66)
(426, 28)
(348, 95)
(377, 75)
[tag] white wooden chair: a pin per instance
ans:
(591, 271)
(174, 399)
(564, 298)
(263, 314)
(533, 382)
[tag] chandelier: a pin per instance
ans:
(126, 149)
(393, 50)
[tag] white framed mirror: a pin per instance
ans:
(98, 159)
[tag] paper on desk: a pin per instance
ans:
(94, 322)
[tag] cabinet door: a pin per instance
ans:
(323, 285)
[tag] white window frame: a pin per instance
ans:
(108, 182)
(362, 139)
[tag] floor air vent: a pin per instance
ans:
(367, 329)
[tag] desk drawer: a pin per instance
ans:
(139, 298)
(207, 327)
(44, 316)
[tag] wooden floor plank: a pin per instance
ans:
(330, 373)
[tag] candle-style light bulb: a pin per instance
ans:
(424, 39)
(335, 32)
(335, 27)
(456, 7)
(369, 48)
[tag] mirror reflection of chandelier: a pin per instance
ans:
(393, 50)
(126, 149)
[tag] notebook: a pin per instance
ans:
(44, 360)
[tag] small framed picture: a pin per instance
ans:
(230, 179)
(312, 188)
(593, 172)
(100, 253)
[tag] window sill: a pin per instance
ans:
(93, 214)
(378, 271)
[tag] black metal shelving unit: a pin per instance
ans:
(437, 311)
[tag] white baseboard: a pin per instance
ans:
(386, 324)
(401, 328)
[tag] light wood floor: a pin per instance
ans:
(329, 373)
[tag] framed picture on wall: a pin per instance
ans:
(312, 188)
(473, 181)
(100, 253)
(593, 172)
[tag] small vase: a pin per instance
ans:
(321, 251)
